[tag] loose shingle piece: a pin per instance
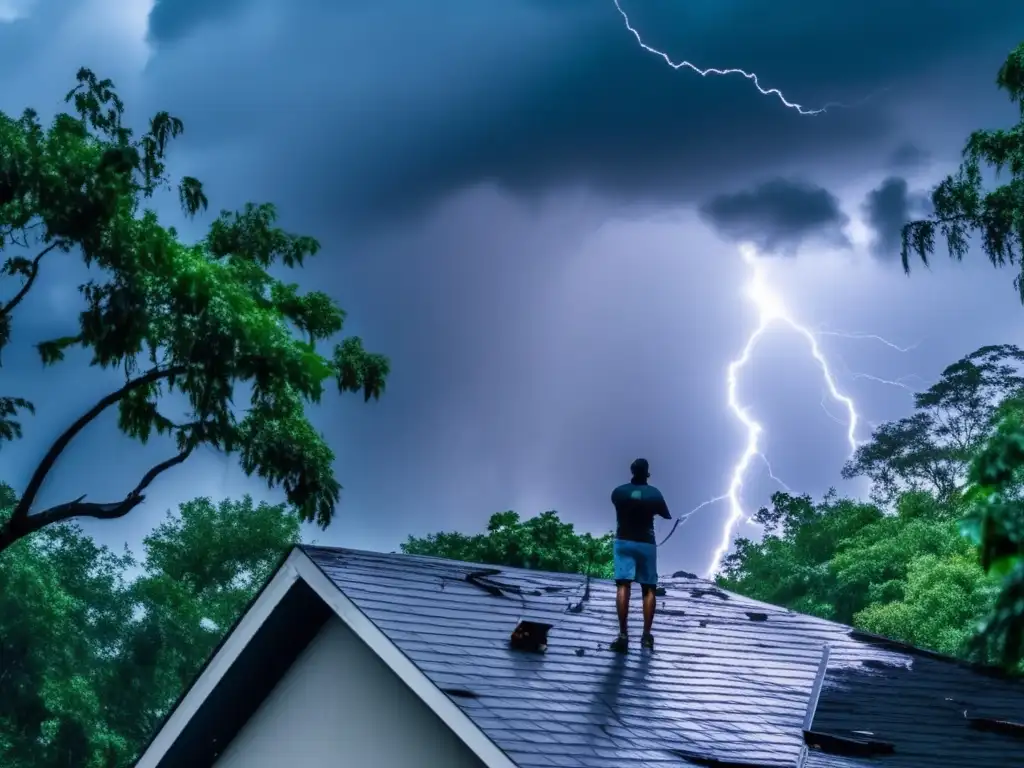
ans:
(729, 684)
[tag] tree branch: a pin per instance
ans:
(9, 307)
(20, 513)
(13, 531)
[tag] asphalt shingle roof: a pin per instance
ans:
(728, 685)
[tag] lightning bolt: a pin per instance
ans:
(901, 382)
(772, 311)
(870, 337)
(752, 77)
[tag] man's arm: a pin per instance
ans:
(661, 508)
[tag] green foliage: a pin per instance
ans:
(202, 321)
(908, 575)
(63, 606)
(932, 449)
(90, 659)
(967, 210)
(543, 542)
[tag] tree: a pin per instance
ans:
(543, 542)
(932, 449)
(90, 660)
(201, 568)
(967, 209)
(63, 606)
(908, 575)
(201, 321)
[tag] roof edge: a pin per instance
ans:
(296, 567)
(436, 700)
(223, 656)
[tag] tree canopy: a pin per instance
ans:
(932, 449)
(909, 575)
(201, 322)
(95, 647)
(969, 211)
(543, 542)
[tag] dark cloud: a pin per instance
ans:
(778, 216)
(908, 157)
(887, 208)
(170, 20)
(405, 105)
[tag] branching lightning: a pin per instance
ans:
(772, 311)
(752, 77)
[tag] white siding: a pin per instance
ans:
(338, 706)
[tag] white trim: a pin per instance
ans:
(236, 642)
(449, 712)
(296, 566)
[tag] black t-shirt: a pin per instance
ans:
(636, 504)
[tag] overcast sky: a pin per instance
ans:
(539, 221)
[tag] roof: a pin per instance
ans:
(733, 682)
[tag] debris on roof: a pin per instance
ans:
(712, 592)
(712, 762)
(684, 575)
(737, 692)
(481, 579)
(844, 745)
(1005, 727)
(460, 693)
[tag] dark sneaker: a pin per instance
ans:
(647, 641)
(620, 644)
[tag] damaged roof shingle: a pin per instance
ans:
(723, 688)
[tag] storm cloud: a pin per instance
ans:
(408, 102)
(887, 209)
(778, 216)
(506, 196)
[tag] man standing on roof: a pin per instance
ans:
(636, 552)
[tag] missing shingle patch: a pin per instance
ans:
(580, 651)
(703, 623)
(755, 616)
(530, 637)
(659, 591)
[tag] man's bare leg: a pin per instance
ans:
(650, 603)
(622, 607)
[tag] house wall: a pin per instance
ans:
(340, 705)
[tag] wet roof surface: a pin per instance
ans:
(729, 683)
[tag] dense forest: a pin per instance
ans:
(95, 645)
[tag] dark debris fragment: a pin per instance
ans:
(684, 575)
(460, 693)
(711, 762)
(843, 745)
(701, 592)
(992, 725)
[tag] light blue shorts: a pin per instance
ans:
(636, 561)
